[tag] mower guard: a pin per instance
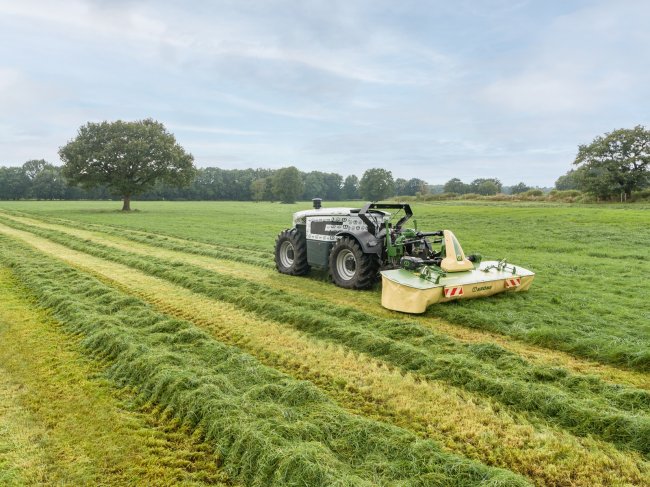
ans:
(404, 290)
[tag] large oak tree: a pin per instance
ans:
(127, 157)
(615, 163)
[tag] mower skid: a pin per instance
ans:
(406, 291)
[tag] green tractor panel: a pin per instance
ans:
(356, 245)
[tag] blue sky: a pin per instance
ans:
(429, 89)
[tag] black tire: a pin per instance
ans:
(350, 267)
(291, 253)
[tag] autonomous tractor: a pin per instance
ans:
(358, 245)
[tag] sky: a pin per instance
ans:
(426, 89)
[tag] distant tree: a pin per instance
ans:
(268, 189)
(48, 184)
(616, 163)
(287, 184)
(455, 185)
(598, 181)
(351, 187)
(45, 180)
(573, 179)
(258, 189)
(410, 187)
(127, 157)
(400, 186)
(314, 185)
(34, 167)
(376, 184)
(208, 184)
(486, 187)
(322, 185)
(519, 188)
(415, 185)
(237, 183)
(333, 186)
(14, 183)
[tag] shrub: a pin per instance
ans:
(643, 195)
(533, 193)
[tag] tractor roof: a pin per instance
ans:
(301, 215)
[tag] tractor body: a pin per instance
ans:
(356, 245)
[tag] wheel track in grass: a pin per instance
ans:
(461, 421)
(48, 393)
(583, 404)
(360, 300)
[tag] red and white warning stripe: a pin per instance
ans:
(453, 292)
(513, 282)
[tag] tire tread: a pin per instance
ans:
(367, 263)
(300, 264)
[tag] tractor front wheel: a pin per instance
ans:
(350, 267)
(291, 253)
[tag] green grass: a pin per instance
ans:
(592, 262)
(588, 299)
(56, 409)
(582, 404)
(267, 428)
(462, 422)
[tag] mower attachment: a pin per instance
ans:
(409, 292)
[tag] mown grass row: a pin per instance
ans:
(583, 404)
(268, 428)
(366, 302)
(462, 422)
(244, 254)
(585, 300)
(55, 409)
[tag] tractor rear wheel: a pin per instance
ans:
(291, 253)
(350, 267)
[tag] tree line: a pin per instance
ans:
(483, 187)
(613, 166)
(142, 158)
(41, 180)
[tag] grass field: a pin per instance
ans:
(199, 363)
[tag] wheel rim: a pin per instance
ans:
(346, 264)
(287, 254)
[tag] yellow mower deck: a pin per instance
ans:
(406, 291)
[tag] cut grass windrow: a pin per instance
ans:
(586, 300)
(462, 422)
(247, 255)
(582, 404)
(366, 302)
(55, 411)
(268, 428)
(610, 334)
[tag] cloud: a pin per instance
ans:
(213, 130)
(498, 88)
(19, 92)
(584, 62)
